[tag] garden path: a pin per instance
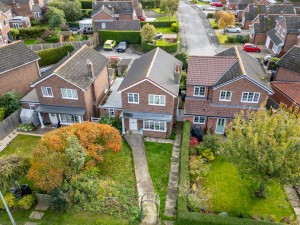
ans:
(294, 200)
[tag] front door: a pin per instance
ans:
(53, 118)
(220, 125)
(133, 124)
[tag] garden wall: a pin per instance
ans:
(10, 123)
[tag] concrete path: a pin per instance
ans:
(294, 200)
(171, 200)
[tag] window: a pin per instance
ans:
(252, 97)
(199, 119)
(133, 98)
(17, 25)
(18, 5)
(103, 25)
(111, 112)
(155, 125)
(69, 93)
(225, 96)
(31, 106)
(199, 91)
(37, 15)
(47, 92)
(69, 119)
(157, 100)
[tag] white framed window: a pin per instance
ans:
(155, 125)
(47, 92)
(18, 5)
(133, 98)
(199, 119)
(69, 119)
(31, 106)
(157, 100)
(250, 97)
(69, 93)
(37, 14)
(225, 96)
(199, 91)
(111, 112)
(103, 26)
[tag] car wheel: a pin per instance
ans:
(238, 31)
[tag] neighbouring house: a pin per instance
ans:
(149, 94)
(27, 8)
(20, 22)
(218, 87)
(252, 10)
(286, 84)
(18, 68)
(284, 36)
(115, 15)
(71, 91)
(240, 5)
(5, 16)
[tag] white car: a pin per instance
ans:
(151, 20)
(233, 29)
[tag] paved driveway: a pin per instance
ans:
(129, 54)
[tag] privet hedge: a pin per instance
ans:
(172, 47)
(133, 37)
(86, 4)
(53, 55)
(160, 23)
(31, 33)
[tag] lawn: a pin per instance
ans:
(221, 37)
(159, 163)
(30, 42)
(202, 3)
(165, 30)
(163, 42)
(166, 18)
(234, 194)
(157, 10)
(212, 23)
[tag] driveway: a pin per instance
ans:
(129, 54)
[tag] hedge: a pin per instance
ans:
(86, 13)
(172, 47)
(53, 55)
(133, 37)
(160, 23)
(86, 4)
(31, 33)
(73, 24)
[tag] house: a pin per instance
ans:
(19, 22)
(71, 91)
(27, 8)
(240, 5)
(218, 87)
(115, 15)
(5, 16)
(252, 10)
(284, 36)
(286, 84)
(18, 68)
(149, 94)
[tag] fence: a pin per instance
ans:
(9, 124)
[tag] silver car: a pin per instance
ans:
(233, 29)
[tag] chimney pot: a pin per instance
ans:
(90, 69)
(177, 73)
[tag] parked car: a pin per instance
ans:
(248, 47)
(109, 45)
(74, 30)
(233, 29)
(88, 30)
(122, 46)
(216, 4)
(142, 18)
(158, 36)
(150, 20)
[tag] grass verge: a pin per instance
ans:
(30, 42)
(165, 30)
(166, 18)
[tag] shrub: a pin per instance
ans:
(240, 38)
(26, 202)
(86, 13)
(230, 39)
(53, 55)
(133, 37)
(183, 57)
(159, 23)
(210, 15)
(14, 32)
(10, 102)
(116, 123)
(198, 168)
(10, 201)
(26, 127)
(172, 47)
(86, 4)
(150, 4)
(215, 26)
(208, 154)
(175, 27)
(193, 142)
(31, 33)
(58, 200)
(2, 113)
(212, 142)
(50, 36)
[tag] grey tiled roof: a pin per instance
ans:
(36, 8)
(121, 7)
(9, 2)
(292, 24)
(272, 34)
(265, 23)
(254, 10)
(291, 60)
(14, 55)
(30, 97)
(157, 66)
(4, 8)
(119, 25)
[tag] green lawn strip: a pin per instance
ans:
(163, 42)
(233, 194)
(30, 42)
(166, 18)
(157, 10)
(165, 30)
(221, 37)
(159, 163)
(202, 3)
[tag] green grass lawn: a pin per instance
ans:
(30, 42)
(157, 10)
(165, 30)
(166, 18)
(221, 37)
(163, 42)
(159, 163)
(233, 194)
(202, 3)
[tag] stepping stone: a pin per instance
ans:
(42, 206)
(30, 223)
(36, 215)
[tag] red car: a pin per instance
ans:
(248, 47)
(216, 4)
(142, 18)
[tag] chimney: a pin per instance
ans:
(113, 10)
(90, 69)
(267, 12)
(177, 74)
(281, 14)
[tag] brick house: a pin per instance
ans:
(5, 16)
(149, 94)
(19, 22)
(71, 91)
(286, 84)
(27, 8)
(284, 36)
(218, 87)
(18, 68)
(114, 15)
(240, 5)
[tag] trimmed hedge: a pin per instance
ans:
(31, 33)
(175, 27)
(168, 48)
(86, 4)
(133, 37)
(53, 55)
(160, 23)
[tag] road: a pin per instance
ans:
(194, 35)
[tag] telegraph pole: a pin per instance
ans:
(7, 210)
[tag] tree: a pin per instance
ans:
(265, 145)
(218, 15)
(10, 102)
(72, 9)
(148, 32)
(14, 32)
(169, 7)
(226, 19)
(183, 57)
(55, 16)
(76, 154)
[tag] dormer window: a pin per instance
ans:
(199, 91)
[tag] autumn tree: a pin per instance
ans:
(226, 19)
(218, 15)
(265, 145)
(169, 7)
(148, 32)
(64, 152)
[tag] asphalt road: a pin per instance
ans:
(194, 36)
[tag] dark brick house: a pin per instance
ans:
(5, 16)
(18, 68)
(149, 94)
(71, 91)
(218, 87)
(30, 8)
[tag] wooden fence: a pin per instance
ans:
(10, 124)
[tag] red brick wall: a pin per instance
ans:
(105, 112)
(280, 97)
(125, 17)
(19, 79)
(24, 10)
(247, 23)
(284, 74)
(260, 39)
(102, 16)
(290, 41)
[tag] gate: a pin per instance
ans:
(151, 202)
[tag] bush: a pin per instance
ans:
(31, 33)
(230, 39)
(212, 142)
(2, 113)
(193, 142)
(116, 123)
(210, 15)
(26, 127)
(59, 200)
(159, 23)
(50, 36)
(26, 202)
(10, 201)
(172, 47)
(175, 27)
(14, 32)
(86, 13)
(240, 38)
(150, 4)
(133, 37)
(86, 4)
(215, 26)
(53, 55)
(183, 57)
(10, 102)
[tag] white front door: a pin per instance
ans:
(220, 127)
(133, 124)
(53, 118)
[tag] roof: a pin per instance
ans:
(275, 39)
(124, 62)
(60, 109)
(146, 116)
(265, 23)
(15, 55)
(30, 97)
(119, 25)
(113, 7)
(4, 8)
(157, 66)
(36, 8)
(9, 2)
(74, 69)
(292, 24)
(291, 59)
(113, 100)
(290, 89)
